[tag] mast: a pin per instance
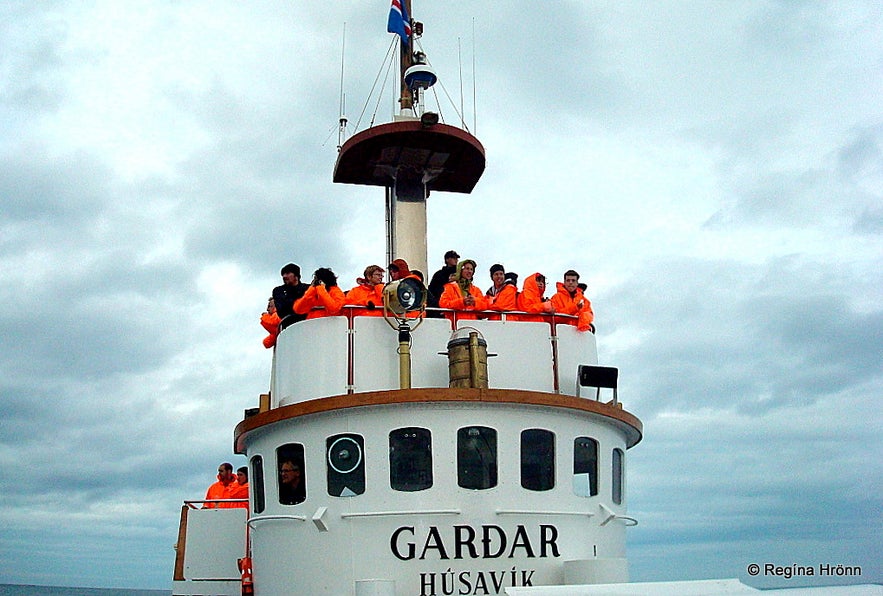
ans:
(411, 156)
(406, 200)
(405, 62)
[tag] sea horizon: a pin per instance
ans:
(39, 590)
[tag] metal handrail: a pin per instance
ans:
(392, 513)
(191, 502)
(250, 522)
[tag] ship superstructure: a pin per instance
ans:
(437, 455)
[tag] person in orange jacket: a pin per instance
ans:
(270, 322)
(399, 269)
(502, 296)
(569, 300)
(461, 294)
(531, 299)
(369, 292)
(222, 489)
(241, 490)
(322, 292)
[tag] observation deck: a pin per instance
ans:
(355, 360)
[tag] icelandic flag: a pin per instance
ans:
(398, 21)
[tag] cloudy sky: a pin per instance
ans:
(713, 169)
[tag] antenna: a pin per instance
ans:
(341, 131)
(460, 64)
(474, 104)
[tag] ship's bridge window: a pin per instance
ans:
(617, 476)
(292, 478)
(477, 457)
(537, 459)
(257, 483)
(345, 465)
(585, 467)
(410, 459)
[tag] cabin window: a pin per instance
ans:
(585, 467)
(256, 484)
(410, 459)
(292, 477)
(617, 476)
(345, 465)
(537, 459)
(477, 457)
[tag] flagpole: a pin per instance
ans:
(406, 101)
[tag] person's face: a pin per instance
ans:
(541, 285)
(395, 274)
(290, 279)
(451, 261)
(570, 282)
(290, 474)
(498, 277)
(271, 306)
(225, 475)
(241, 477)
(376, 277)
(467, 271)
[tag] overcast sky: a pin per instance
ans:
(714, 170)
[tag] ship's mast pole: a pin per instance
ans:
(406, 203)
(405, 52)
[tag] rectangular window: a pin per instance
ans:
(292, 478)
(477, 457)
(345, 465)
(617, 476)
(585, 467)
(410, 459)
(537, 459)
(257, 483)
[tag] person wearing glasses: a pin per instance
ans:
(369, 292)
(291, 486)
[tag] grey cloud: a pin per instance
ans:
(740, 341)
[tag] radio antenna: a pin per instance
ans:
(341, 131)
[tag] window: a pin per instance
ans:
(257, 483)
(477, 457)
(537, 459)
(410, 459)
(345, 465)
(292, 478)
(617, 476)
(585, 467)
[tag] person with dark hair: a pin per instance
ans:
(288, 293)
(369, 292)
(241, 490)
(461, 294)
(398, 269)
(322, 292)
(270, 322)
(291, 487)
(502, 294)
(569, 300)
(440, 278)
(531, 299)
(222, 489)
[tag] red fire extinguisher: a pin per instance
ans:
(247, 580)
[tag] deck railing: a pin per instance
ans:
(350, 353)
